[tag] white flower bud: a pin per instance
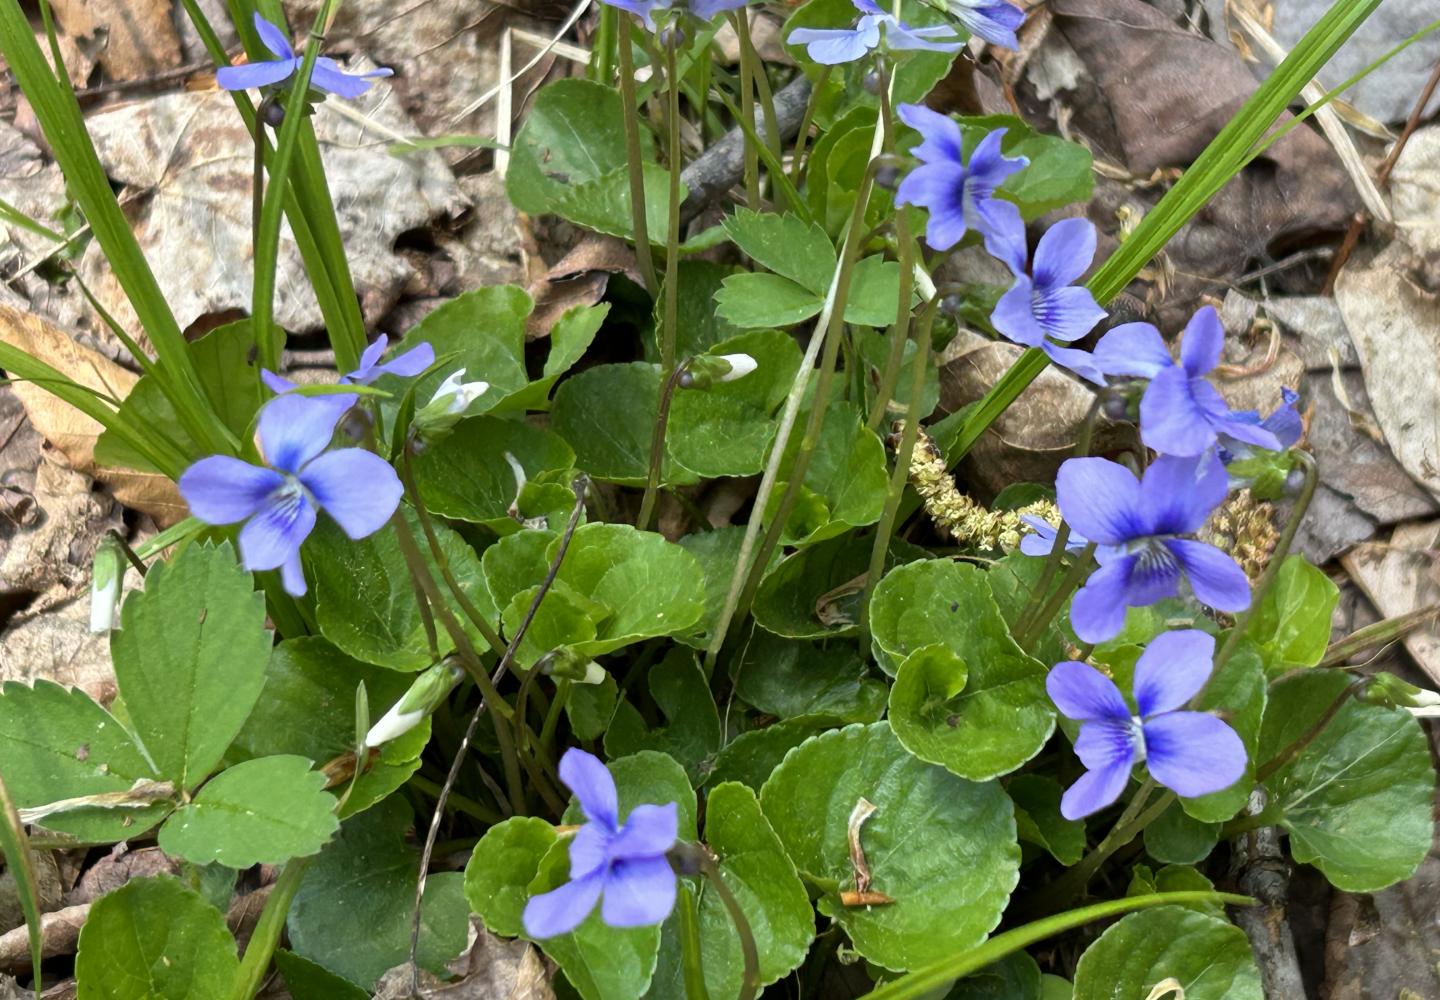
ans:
(394, 723)
(740, 366)
(105, 586)
(461, 394)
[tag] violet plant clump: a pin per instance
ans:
(690, 614)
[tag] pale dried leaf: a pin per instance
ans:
(136, 38)
(191, 157)
(1400, 577)
(1415, 192)
(492, 968)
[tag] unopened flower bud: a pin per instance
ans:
(448, 404)
(1388, 690)
(951, 304)
(273, 113)
(874, 80)
(424, 696)
(708, 369)
(568, 665)
(887, 176)
(105, 582)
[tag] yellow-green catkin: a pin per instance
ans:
(1245, 528)
(967, 521)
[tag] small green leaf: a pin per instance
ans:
(1003, 717)
(754, 866)
(1175, 878)
(1239, 692)
(574, 133)
(352, 911)
(874, 293)
(465, 475)
(607, 415)
(1357, 801)
(789, 679)
(565, 619)
(483, 332)
(815, 593)
(1037, 816)
(263, 811)
(1208, 957)
(603, 204)
(308, 981)
(760, 301)
(499, 872)
(154, 938)
(1291, 623)
(751, 757)
(1178, 838)
(190, 660)
(1059, 173)
(58, 744)
(590, 708)
(786, 245)
(941, 847)
(1014, 977)
(571, 335)
(692, 732)
(847, 471)
(924, 711)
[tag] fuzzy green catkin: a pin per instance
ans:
(968, 522)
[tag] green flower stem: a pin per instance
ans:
(1213, 169)
(1069, 583)
(64, 126)
(1384, 631)
(15, 851)
(899, 333)
(750, 981)
(602, 63)
(1290, 752)
(267, 930)
(741, 23)
(789, 414)
(802, 137)
(933, 979)
(690, 958)
(899, 475)
(637, 168)
(1272, 568)
(657, 439)
(782, 183)
(269, 338)
(668, 333)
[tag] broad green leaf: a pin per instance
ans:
(603, 204)
(699, 326)
(648, 776)
(717, 552)
(786, 245)
(515, 563)
(1291, 623)
(365, 599)
(651, 586)
(571, 335)
(607, 414)
(1002, 717)
(751, 757)
(1037, 816)
(565, 619)
(465, 475)
(1015, 977)
(228, 372)
(352, 911)
(754, 866)
(1174, 878)
(788, 679)
(692, 731)
(499, 872)
(1208, 956)
(726, 430)
(924, 706)
(1178, 838)
(153, 938)
(307, 708)
(847, 476)
(573, 133)
(874, 293)
(264, 811)
(1357, 801)
(482, 332)
(815, 593)
(55, 743)
(590, 708)
(759, 301)
(941, 847)
(1051, 988)
(1059, 172)
(601, 962)
(190, 660)
(308, 981)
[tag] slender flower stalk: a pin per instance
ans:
(643, 257)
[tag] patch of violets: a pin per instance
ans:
(876, 28)
(1191, 753)
(405, 365)
(327, 75)
(621, 866)
(645, 10)
(278, 502)
(1142, 529)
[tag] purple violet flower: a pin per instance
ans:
(961, 195)
(702, 9)
(411, 362)
(833, 46)
(1045, 305)
(1180, 413)
(327, 75)
(1042, 542)
(993, 20)
(1190, 753)
(278, 501)
(1139, 526)
(1285, 423)
(621, 866)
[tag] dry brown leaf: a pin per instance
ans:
(191, 157)
(1400, 577)
(137, 39)
(580, 279)
(67, 428)
(1395, 324)
(491, 968)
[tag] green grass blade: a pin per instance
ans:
(16, 849)
(1222, 160)
(922, 981)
